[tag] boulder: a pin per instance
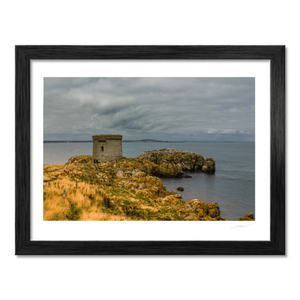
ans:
(213, 210)
(248, 217)
(102, 177)
(209, 165)
(196, 207)
(197, 210)
(186, 176)
(181, 189)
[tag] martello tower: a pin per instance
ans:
(107, 147)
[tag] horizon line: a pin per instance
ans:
(161, 141)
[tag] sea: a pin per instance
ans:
(232, 186)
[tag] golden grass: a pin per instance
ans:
(72, 192)
(96, 215)
(68, 199)
(148, 207)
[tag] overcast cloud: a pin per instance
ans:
(173, 109)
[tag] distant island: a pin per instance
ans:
(68, 141)
(150, 141)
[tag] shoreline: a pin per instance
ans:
(126, 189)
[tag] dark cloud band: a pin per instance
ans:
(158, 108)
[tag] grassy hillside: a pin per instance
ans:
(123, 190)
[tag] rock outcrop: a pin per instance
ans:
(199, 211)
(179, 160)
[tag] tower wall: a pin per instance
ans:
(107, 147)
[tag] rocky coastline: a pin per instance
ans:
(126, 189)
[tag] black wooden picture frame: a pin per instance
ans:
(23, 244)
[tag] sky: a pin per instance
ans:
(162, 108)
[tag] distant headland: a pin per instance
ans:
(126, 141)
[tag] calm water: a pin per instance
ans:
(232, 186)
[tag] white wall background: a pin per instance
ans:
(148, 23)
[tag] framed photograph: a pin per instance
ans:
(110, 137)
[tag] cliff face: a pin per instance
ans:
(125, 189)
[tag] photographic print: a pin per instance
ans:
(149, 149)
(107, 156)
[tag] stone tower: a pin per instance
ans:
(107, 147)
